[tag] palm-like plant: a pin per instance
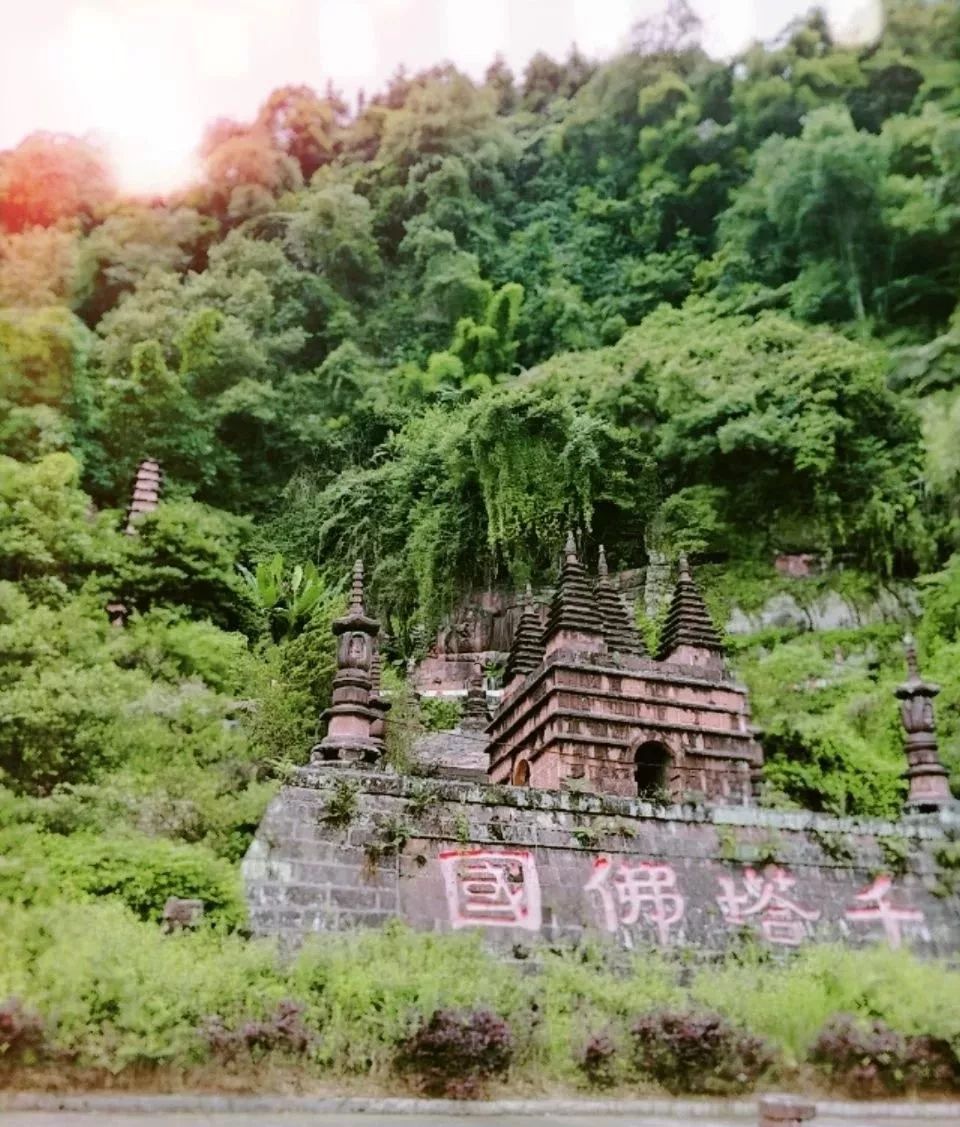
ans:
(285, 600)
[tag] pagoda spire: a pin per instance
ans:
(147, 487)
(574, 622)
(619, 632)
(380, 705)
(350, 718)
(929, 786)
(526, 653)
(689, 636)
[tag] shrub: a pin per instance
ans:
(440, 714)
(140, 871)
(283, 1031)
(456, 1052)
(873, 1059)
(122, 993)
(597, 1061)
(21, 1032)
(697, 1052)
(789, 1003)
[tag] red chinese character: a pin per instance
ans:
(638, 889)
(492, 888)
(877, 907)
(781, 920)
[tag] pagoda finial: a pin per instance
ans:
(689, 635)
(619, 631)
(356, 591)
(570, 548)
(910, 650)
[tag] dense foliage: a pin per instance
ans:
(86, 987)
(406, 329)
(676, 302)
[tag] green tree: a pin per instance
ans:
(301, 125)
(285, 600)
(813, 212)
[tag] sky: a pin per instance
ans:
(144, 77)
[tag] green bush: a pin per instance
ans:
(789, 1003)
(440, 714)
(172, 648)
(116, 992)
(825, 702)
(113, 991)
(138, 871)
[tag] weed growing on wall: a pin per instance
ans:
(342, 804)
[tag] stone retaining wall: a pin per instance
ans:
(341, 849)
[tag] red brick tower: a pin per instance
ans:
(589, 708)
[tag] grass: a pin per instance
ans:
(122, 1003)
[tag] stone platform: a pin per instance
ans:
(343, 848)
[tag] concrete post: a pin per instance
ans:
(785, 1111)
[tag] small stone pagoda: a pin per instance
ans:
(927, 778)
(147, 487)
(145, 498)
(585, 704)
(355, 721)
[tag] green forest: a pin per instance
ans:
(675, 302)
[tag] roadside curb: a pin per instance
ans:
(684, 1110)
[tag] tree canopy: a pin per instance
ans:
(673, 301)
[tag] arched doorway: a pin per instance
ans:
(521, 774)
(650, 768)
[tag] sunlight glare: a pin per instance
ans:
(116, 68)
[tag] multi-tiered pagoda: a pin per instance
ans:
(585, 704)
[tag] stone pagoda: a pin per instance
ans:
(354, 725)
(147, 487)
(144, 498)
(584, 704)
(929, 785)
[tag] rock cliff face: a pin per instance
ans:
(832, 611)
(480, 631)
(482, 628)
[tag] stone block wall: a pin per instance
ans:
(341, 849)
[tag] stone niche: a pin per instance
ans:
(521, 864)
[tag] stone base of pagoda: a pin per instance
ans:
(929, 788)
(344, 752)
(348, 738)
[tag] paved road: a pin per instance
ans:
(372, 1119)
